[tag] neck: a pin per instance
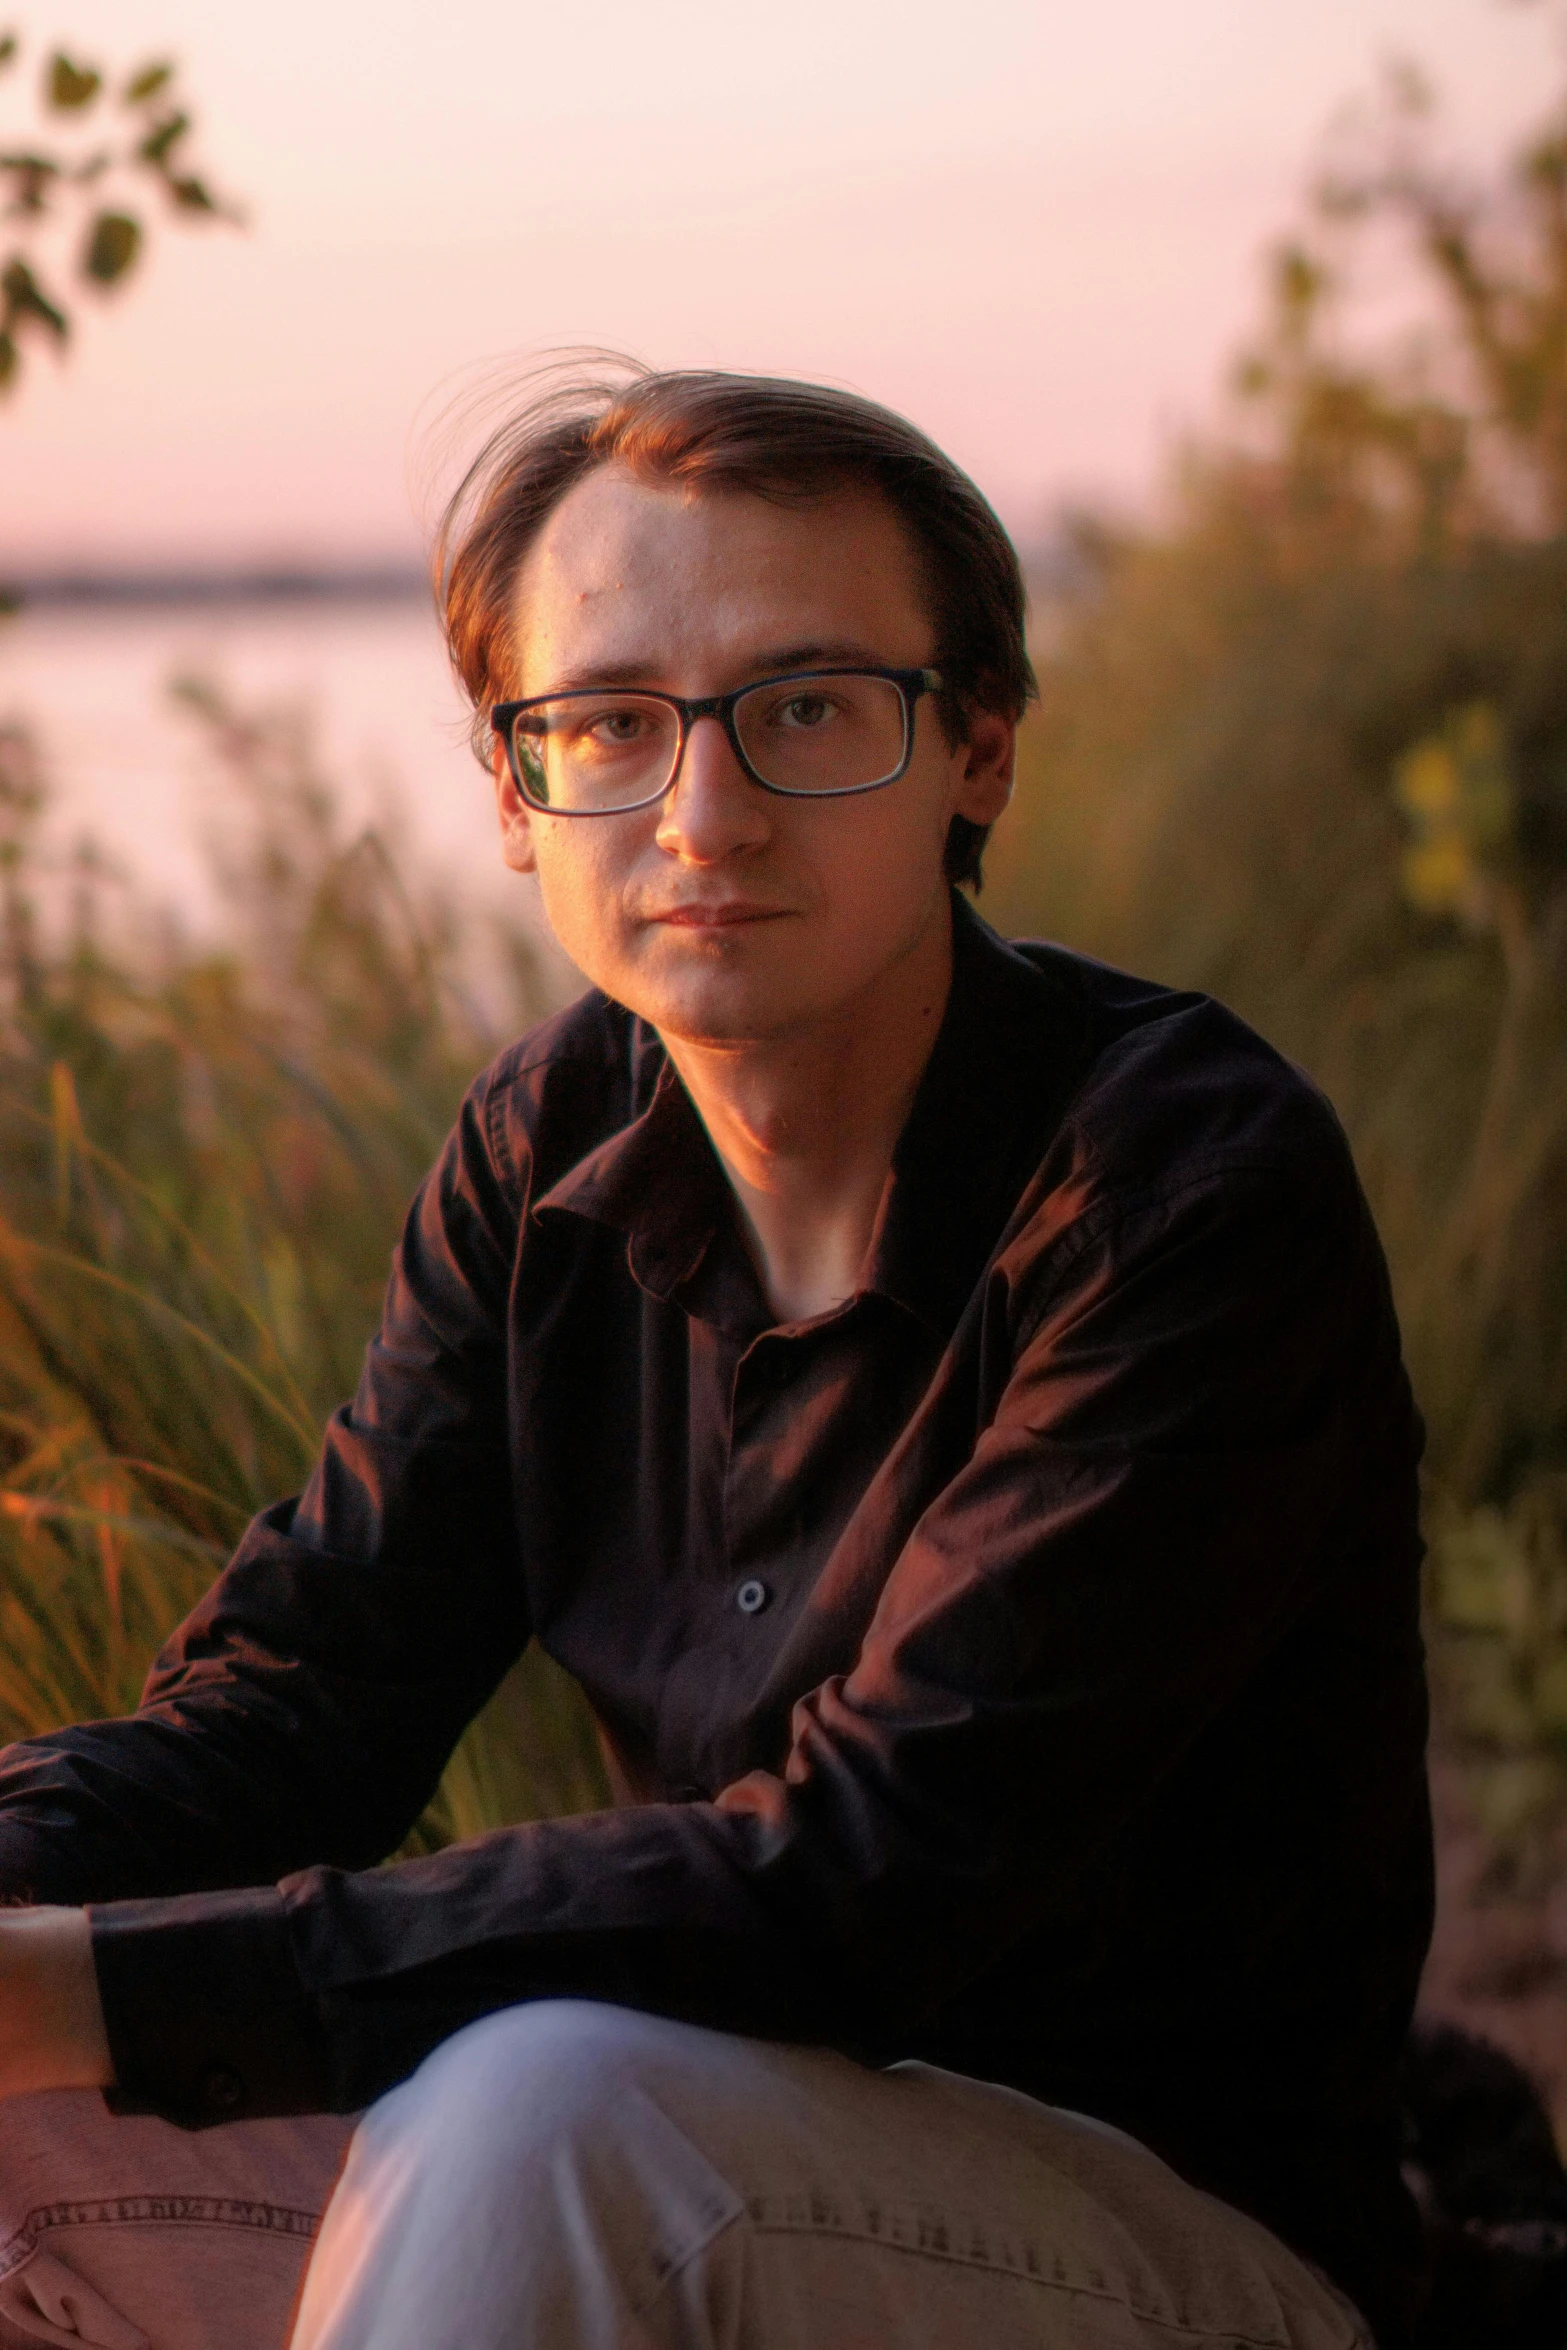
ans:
(806, 1124)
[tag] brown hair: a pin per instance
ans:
(771, 437)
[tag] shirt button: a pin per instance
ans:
(752, 1597)
(223, 2087)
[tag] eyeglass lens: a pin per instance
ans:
(596, 752)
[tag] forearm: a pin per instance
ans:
(303, 1713)
(51, 2019)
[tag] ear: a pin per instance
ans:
(517, 844)
(983, 768)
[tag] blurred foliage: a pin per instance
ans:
(74, 182)
(1305, 745)
(1455, 792)
(1498, 1592)
(205, 1156)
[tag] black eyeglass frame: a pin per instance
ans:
(911, 684)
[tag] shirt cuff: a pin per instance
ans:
(207, 2017)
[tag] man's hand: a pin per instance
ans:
(51, 2019)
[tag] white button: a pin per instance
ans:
(751, 1597)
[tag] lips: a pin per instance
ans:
(732, 914)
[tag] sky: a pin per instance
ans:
(1033, 225)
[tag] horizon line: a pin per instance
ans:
(86, 585)
(1048, 562)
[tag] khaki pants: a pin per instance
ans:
(566, 2176)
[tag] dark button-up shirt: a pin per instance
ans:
(1017, 1667)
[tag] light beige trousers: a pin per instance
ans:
(568, 2176)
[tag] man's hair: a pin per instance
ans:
(771, 438)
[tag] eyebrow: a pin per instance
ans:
(771, 661)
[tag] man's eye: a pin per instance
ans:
(805, 711)
(615, 728)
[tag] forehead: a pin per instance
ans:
(694, 587)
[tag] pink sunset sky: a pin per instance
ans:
(1034, 225)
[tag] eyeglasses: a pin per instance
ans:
(817, 734)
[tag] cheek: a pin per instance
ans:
(890, 849)
(880, 879)
(580, 882)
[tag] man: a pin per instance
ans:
(943, 1402)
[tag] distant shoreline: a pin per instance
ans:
(84, 588)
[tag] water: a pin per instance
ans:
(126, 764)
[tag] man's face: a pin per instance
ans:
(725, 913)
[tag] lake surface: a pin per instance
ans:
(127, 767)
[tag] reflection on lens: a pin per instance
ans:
(531, 768)
(822, 734)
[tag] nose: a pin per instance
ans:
(712, 809)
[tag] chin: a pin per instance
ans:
(706, 992)
(715, 1006)
(703, 1018)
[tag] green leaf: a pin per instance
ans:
(148, 82)
(113, 243)
(25, 298)
(165, 135)
(31, 177)
(192, 195)
(71, 86)
(1299, 280)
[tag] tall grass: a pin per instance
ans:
(205, 1154)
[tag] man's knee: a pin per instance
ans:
(541, 2073)
(554, 2097)
(528, 2167)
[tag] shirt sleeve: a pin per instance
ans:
(1158, 1497)
(306, 1708)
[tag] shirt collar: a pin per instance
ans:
(659, 1181)
(1010, 1050)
